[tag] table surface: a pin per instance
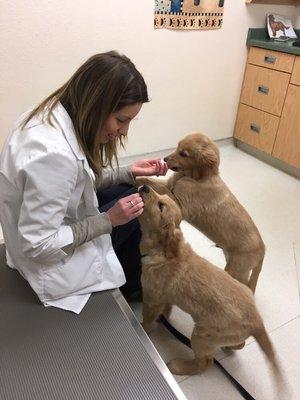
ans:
(51, 354)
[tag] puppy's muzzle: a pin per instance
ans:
(144, 189)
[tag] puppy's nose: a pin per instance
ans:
(144, 189)
(166, 159)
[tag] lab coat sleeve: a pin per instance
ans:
(49, 180)
(114, 177)
(88, 229)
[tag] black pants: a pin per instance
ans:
(125, 240)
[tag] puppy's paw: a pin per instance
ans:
(229, 349)
(175, 366)
(178, 366)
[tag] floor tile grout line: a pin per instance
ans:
(297, 275)
(275, 329)
(226, 356)
(269, 333)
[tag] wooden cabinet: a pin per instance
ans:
(296, 72)
(256, 128)
(287, 143)
(268, 116)
(271, 59)
(264, 89)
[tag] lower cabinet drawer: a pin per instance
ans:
(271, 59)
(265, 89)
(256, 128)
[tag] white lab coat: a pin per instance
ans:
(46, 184)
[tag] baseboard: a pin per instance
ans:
(127, 160)
(267, 158)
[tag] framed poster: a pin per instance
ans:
(188, 14)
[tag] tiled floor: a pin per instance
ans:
(272, 198)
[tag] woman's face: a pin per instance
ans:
(118, 122)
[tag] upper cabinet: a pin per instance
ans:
(283, 2)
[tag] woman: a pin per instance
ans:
(55, 235)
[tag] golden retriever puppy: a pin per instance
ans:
(222, 308)
(208, 204)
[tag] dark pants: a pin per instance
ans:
(125, 240)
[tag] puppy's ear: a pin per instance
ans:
(209, 156)
(170, 240)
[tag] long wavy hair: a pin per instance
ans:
(104, 84)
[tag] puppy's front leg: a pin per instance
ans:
(150, 314)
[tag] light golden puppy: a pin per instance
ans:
(222, 308)
(208, 204)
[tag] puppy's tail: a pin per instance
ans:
(262, 338)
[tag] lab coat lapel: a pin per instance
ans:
(67, 127)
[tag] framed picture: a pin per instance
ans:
(188, 14)
(280, 27)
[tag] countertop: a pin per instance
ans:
(258, 37)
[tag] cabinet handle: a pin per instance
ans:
(254, 127)
(263, 89)
(270, 59)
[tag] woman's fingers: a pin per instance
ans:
(134, 203)
(126, 209)
(163, 167)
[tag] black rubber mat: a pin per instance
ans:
(51, 354)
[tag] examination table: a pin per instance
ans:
(51, 354)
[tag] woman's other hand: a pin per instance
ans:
(149, 167)
(126, 209)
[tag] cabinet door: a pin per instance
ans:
(287, 143)
(265, 89)
(296, 72)
(256, 128)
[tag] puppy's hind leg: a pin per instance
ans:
(238, 267)
(256, 270)
(167, 311)
(204, 351)
(235, 347)
(254, 277)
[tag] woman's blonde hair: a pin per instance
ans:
(104, 84)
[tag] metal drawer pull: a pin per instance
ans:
(255, 128)
(270, 59)
(263, 89)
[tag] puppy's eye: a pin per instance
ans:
(161, 205)
(183, 153)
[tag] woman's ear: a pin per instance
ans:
(170, 240)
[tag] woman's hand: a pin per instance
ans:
(149, 167)
(126, 209)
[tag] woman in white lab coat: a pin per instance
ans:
(56, 157)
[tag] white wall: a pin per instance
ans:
(297, 17)
(194, 78)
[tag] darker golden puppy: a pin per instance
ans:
(208, 204)
(222, 308)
